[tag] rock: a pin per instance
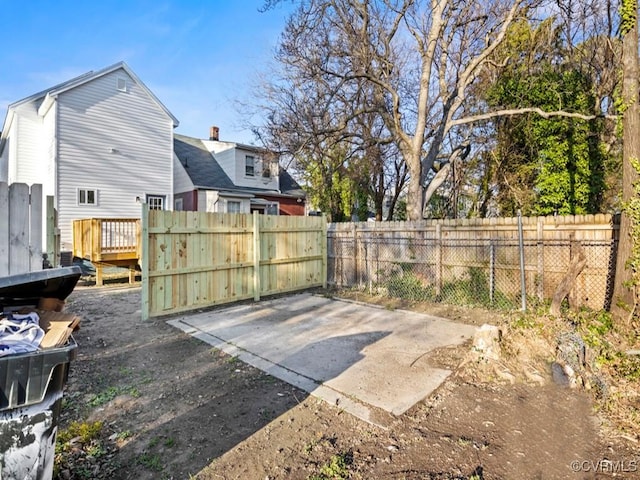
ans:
(534, 376)
(486, 342)
(504, 373)
(571, 350)
(563, 375)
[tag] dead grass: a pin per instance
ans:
(530, 344)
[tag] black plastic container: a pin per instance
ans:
(31, 384)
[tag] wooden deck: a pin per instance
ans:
(108, 242)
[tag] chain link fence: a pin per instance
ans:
(478, 272)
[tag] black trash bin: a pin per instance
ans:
(31, 384)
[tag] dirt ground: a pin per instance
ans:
(171, 407)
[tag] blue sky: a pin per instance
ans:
(198, 57)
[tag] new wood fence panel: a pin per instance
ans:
(196, 259)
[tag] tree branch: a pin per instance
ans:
(521, 111)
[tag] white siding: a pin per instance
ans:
(28, 162)
(232, 158)
(6, 153)
(50, 148)
(257, 180)
(119, 143)
(182, 180)
(224, 154)
(208, 201)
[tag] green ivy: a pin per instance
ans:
(632, 208)
(628, 16)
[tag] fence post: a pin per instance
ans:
(492, 271)
(256, 256)
(324, 248)
(523, 286)
(540, 251)
(144, 261)
(52, 253)
(354, 232)
(35, 227)
(438, 272)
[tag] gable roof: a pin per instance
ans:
(45, 97)
(289, 186)
(205, 171)
(199, 164)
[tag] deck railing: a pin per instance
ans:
(107, 241)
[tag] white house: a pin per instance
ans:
(216, 176)
(99, 144)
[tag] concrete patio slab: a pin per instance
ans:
(347, 353)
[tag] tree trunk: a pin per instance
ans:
(623, 301)
(576, 266)
(415, 190)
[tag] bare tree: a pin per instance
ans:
(418, 62)
(625, 285)
(309, 111)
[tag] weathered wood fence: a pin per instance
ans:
(21, 228)
(193, 260)
(477, 260)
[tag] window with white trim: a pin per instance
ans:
(233, 206)
(155, 202)
(273, 209)
(178, 204)
(249, 165)
(121, 84)
(87, 196)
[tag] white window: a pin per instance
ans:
(121, 84)
(87, 197)
(273, 209)
(178, 204)
(249, 165)
(155, 202)
(233, 206)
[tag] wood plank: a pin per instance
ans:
(256, 257)
(19, 260)
(36, 223)
(4, 229)
(50, 231)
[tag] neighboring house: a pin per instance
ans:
(215, 176)
(100, 144)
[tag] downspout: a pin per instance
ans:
(171, 153)
(56, 183)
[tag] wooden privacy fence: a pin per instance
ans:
(193, 260)
(21, 228)
(477, 260)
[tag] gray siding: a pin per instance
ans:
(118, 143)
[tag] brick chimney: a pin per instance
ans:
(214, 133)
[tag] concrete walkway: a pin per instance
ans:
(347, 353)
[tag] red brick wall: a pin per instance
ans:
(189, 200)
